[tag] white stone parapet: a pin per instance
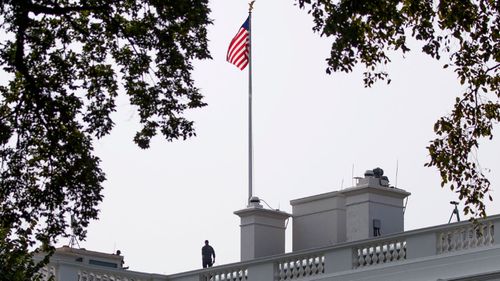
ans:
(379, 252)
(466, 237)
(446, 252)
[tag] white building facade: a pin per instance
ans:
(352, 234)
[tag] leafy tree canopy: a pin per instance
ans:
(67, 61)
(466, 33)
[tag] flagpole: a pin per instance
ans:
(250, 139)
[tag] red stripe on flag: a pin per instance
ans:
(237, 53)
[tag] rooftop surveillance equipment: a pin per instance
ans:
(369, 173)
(378, 173)
(455, 211)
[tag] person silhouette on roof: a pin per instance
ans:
(206, 254)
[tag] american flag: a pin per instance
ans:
(237, 53)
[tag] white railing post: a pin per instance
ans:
(262, 271)
(338, 260)
(421, 245)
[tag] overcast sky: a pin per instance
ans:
(310, 130)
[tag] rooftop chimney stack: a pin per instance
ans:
(371, 208)
(262, 231)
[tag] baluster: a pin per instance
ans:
(474, 238)
(440, 243)
(402, 251)
(480, 236)
(380, 253)
(383, 253)
(491, 234)
(451, 239)
(359, 258)
(477, 240)
(446, 243)
(321, 268)
(388, 254)
(458, 239)
(465, 238)
(395, 251)
(300, 264)
(484, 233)
(288, 271)
(308, 267)
(281, 271)
(368, 257)
(375, 255)
(472, 241)
(314, 268)
(294, 269)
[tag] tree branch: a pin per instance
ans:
(492, 68)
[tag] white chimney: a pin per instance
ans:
(262, 231)
(371, 208)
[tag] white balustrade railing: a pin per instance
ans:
(225, 274)
(379, 253)
(48, 272)
(344, 258)
(300, 267)
(465, 237)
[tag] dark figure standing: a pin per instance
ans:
(206, 253)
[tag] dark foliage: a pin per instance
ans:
(67, 61)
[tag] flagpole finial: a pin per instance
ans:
(250, 8)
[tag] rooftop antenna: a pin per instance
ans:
(73, 240)
(397, 170)
(352, 174)
(342, 184)
(455, 211)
